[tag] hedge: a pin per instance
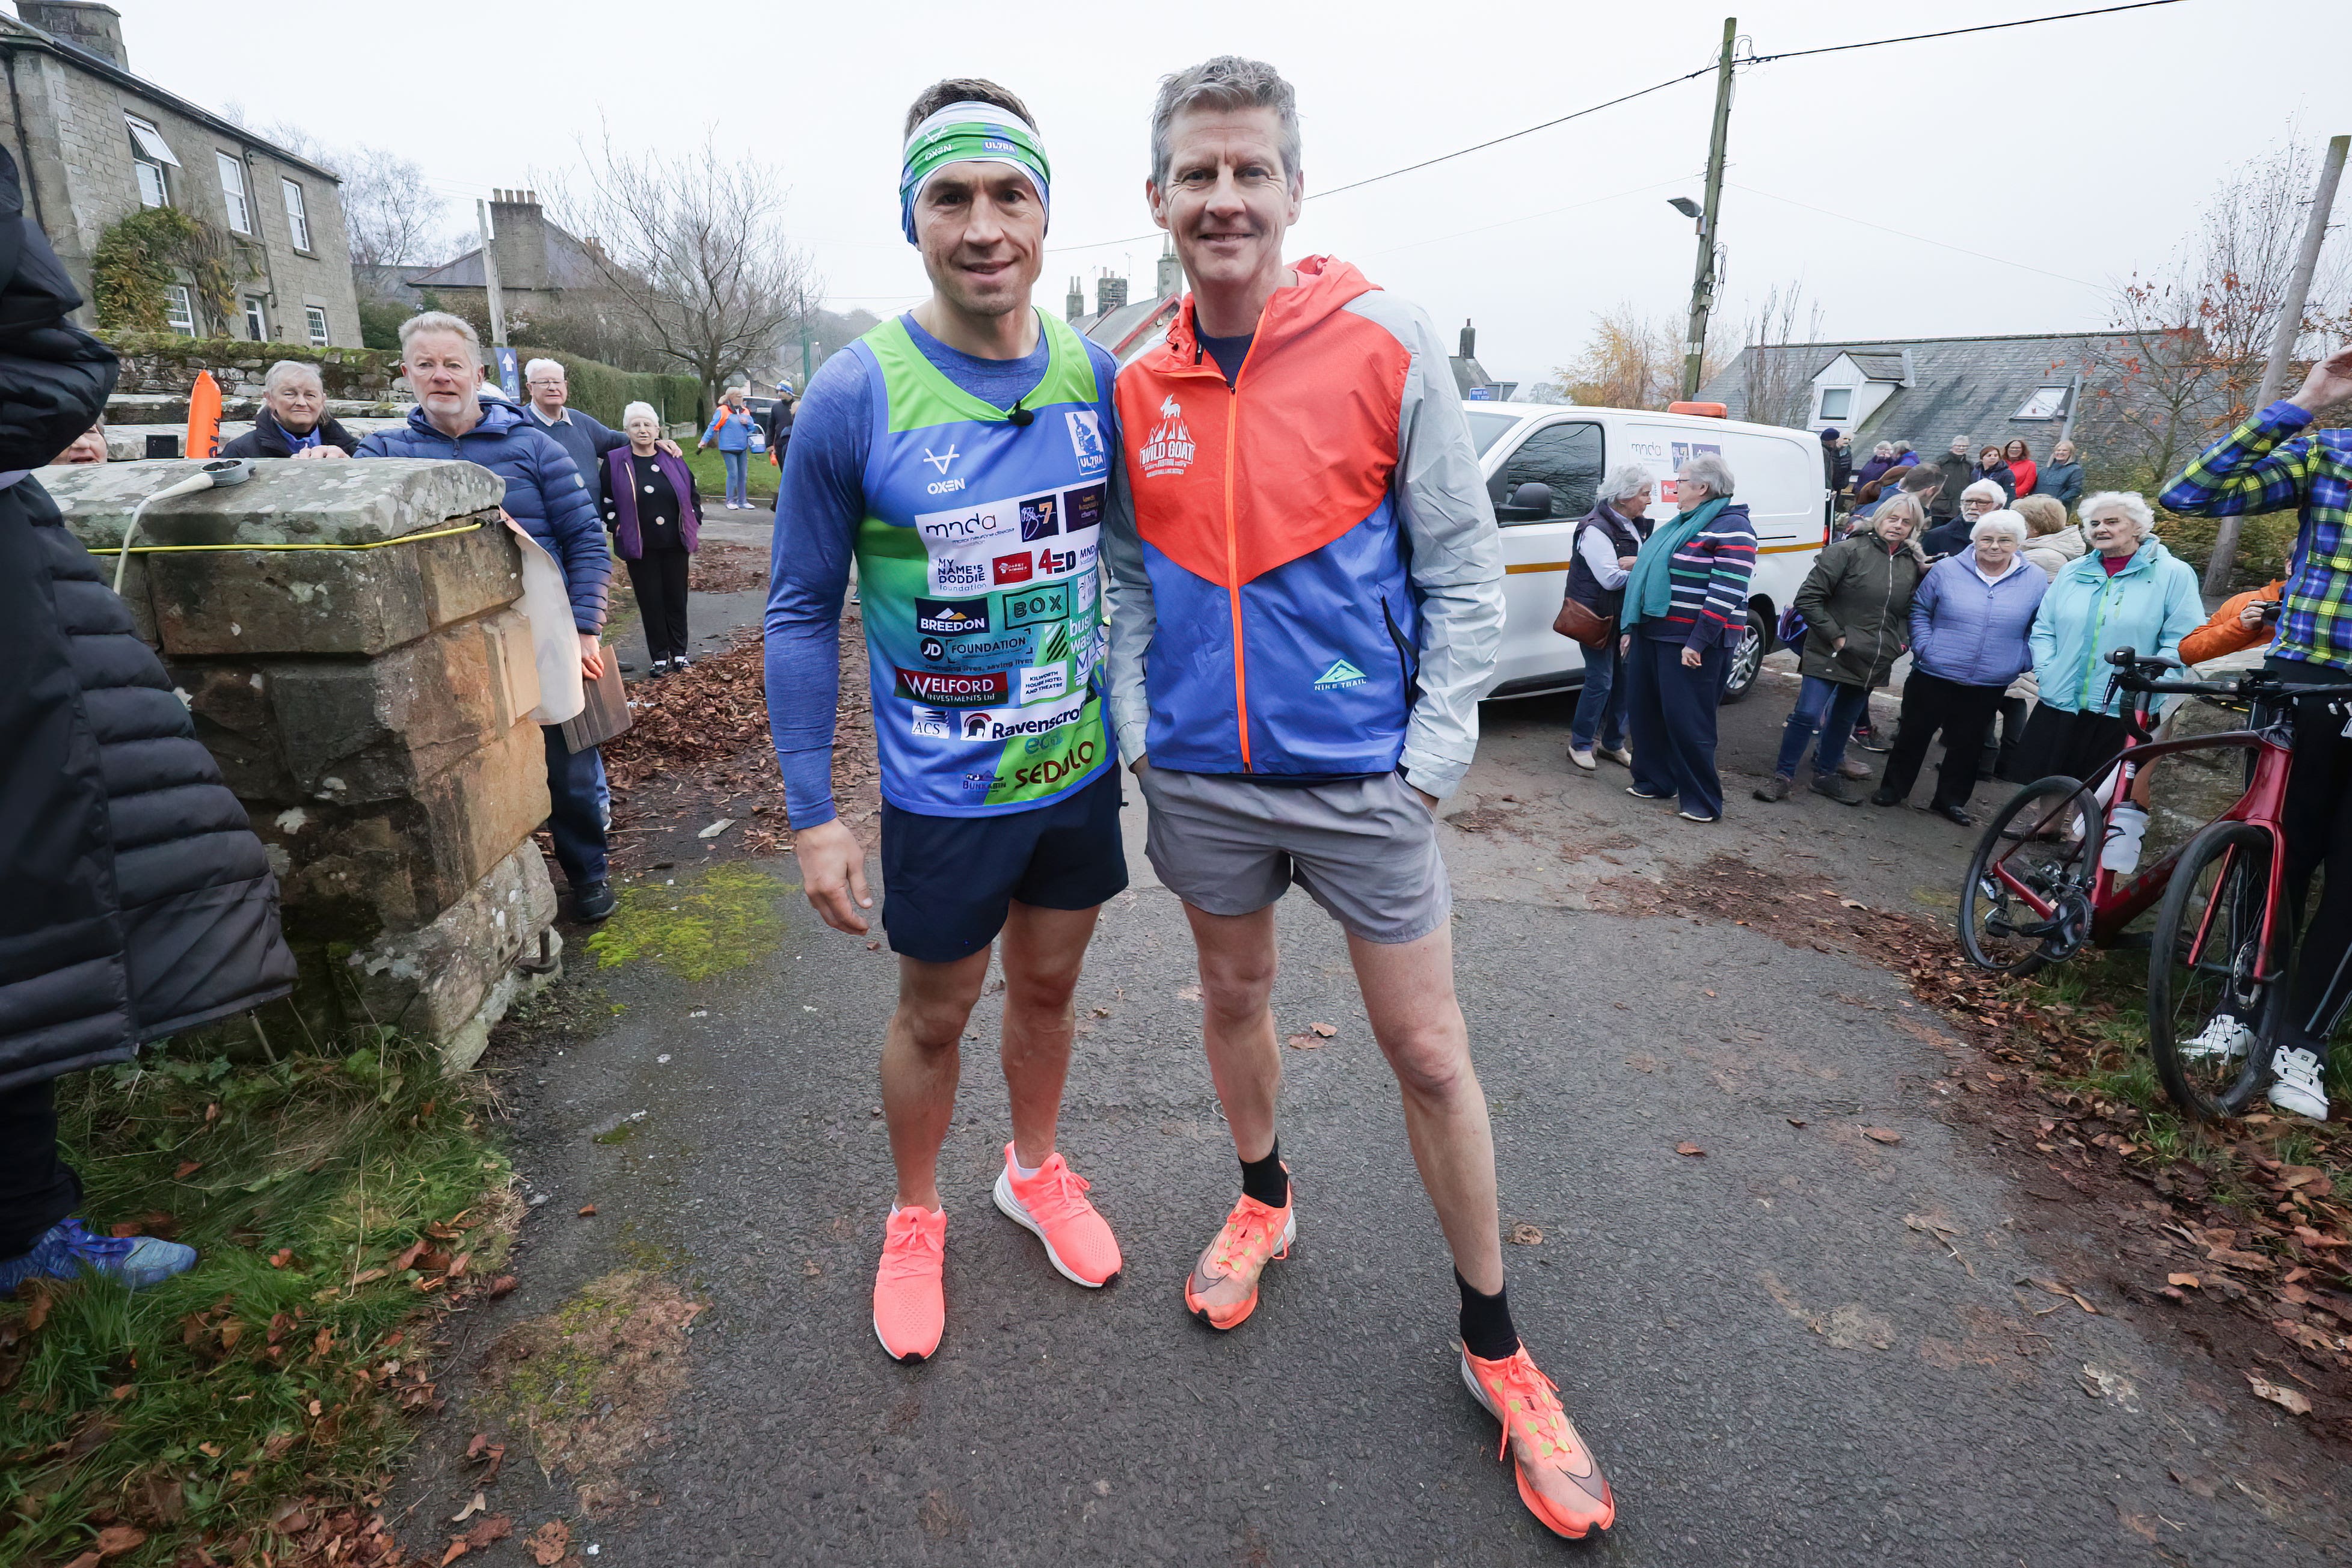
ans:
(601, 392)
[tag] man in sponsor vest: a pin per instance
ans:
(1307, 597)
(960, 454)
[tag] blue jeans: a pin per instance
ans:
(738, 467)
(1670, 708)
(577, 807)
(1601, 707)
(1830, 708)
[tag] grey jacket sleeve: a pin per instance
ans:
(1127, 593)
(1441, 500)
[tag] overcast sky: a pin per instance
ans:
(2079, 148)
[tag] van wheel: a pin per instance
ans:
(1747, 660)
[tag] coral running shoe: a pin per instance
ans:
(909, 1309)
(1053, 1204)
(1221, 1290)
(1559, 1481)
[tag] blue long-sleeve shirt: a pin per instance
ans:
(820, 505)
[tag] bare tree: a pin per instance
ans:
(1779, 372)
(695, 250)
(392, 216)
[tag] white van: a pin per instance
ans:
(1568, 448)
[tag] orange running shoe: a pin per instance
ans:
(1053, 1204)
(1221, 1290)
(1558, 1478)
(909, 1309)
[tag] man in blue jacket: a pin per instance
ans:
(550, 498)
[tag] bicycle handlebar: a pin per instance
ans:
(2254, 684)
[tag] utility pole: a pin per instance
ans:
(490, 277)
(805, 370)
(2289, 328)
(1703, 278)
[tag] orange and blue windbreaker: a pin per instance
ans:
(1305, 573)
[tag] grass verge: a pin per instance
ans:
(710, 471)
(248, 1404)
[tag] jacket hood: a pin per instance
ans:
(1324, 285)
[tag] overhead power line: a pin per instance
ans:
(1707, 69)
(1906, 234)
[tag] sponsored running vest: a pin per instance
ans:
(978, 583)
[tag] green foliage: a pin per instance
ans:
(346, 373)
(2263, 545)
(271, 1371)
(710, 471)
(138, 257)
(380, 322)
(601, 392)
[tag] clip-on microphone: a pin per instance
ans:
(1016, 414)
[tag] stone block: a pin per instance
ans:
(434, 980)
(284, 503)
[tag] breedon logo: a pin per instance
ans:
(1339, 677)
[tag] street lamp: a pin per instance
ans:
(1684, 206)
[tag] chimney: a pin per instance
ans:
(519, 230)
(1077, 301)
(1171, 272)
(93, 28)
(1110, 293)
(1469, 341)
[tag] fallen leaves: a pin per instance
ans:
(1882, 1135)
(1689, 1148)
(1325, 1030)
(2055, 1289)
(2186, 1281)
(1303, 1042)
(486, 1534)
(548, 1543)
(187, 1169)
(587, 1211)
(1526, 1235)
(2287, 1399)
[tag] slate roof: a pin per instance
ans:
(1961, 386)
(568, 266)
(1880, 367)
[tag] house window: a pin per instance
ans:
(1837, 403)
(150, 156)
(317, 323)
(179, 309)
(1565, 456)
(2047, 402)
(298, 217)
(232, 179)
(257, 324)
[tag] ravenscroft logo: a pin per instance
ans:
(1012, 723)
(1011, 568)
(1038, 520)
(1086, 441)
(1169, 449)
(956, 688)
(1339, 677)
(951, 617)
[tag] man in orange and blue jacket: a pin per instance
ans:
(1306, 588)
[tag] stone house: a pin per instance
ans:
(95, 143)
(539, 262)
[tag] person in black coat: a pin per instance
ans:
(135, 901)
(293, 421)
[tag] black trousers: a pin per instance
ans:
(1962, 713)
(37, 1187)
(659, 576)
(2317, 821)
(2072, 745)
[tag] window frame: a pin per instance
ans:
(1845, 409)
(298, 213)
(314, 321)
(179, 298)
(1499, 488)
(151, 158)
(256, 318)
(233, 197)
(2066, 395)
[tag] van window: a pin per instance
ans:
(1567, 457)
(1486, 429)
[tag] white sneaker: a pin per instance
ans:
(1581, 758)
(1623, 755)
(2296, 1089)
(2225, 1037)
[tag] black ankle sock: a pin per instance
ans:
(1486, 1331)
(1266, 1180)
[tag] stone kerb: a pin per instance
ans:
(366, 696)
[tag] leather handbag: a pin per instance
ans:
(1579, 624)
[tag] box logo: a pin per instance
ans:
(1051, 603)
(949, 618)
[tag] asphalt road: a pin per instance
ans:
(1774, 1359)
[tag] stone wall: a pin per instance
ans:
(369, 706)
(153, 364)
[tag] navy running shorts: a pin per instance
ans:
(948, 882)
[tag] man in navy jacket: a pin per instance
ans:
(549, 496)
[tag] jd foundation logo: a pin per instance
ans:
(1170, 450)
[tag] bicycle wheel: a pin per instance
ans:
(2209, 1001)
(2026, 901)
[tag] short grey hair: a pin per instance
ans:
(2131, 503)
(2003, 522)
(1627, 479)
(284, 368)
(1986, 490)
(1710, 470)
(440, 321)
(531, 371)
(1228, 82)
(1903, 447)
(636, 409)
(1883, 449)
(1900, 504)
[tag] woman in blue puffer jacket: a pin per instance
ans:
(2129, 592)
(730, 432)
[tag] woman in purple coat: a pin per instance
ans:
(656, 515)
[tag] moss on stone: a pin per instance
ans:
(705, 925)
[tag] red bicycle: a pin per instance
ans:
(2038, 891)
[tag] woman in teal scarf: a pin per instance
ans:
(1686, 610)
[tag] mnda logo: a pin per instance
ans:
(1341, 676)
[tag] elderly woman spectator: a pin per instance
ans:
(1686, 610)
(1980, 496)
(730, 430)
(293, 421)
(656, 515)
(2128, 593)
(1970, 623)
(1881, 458)
(1608, 542)
(1855, 602)
(2051, 541)
(2022, 473)
(90, 446)
(2061, 478)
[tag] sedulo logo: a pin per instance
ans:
(1339, 677)
(1170, 450)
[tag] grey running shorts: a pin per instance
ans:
(1365, 849)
